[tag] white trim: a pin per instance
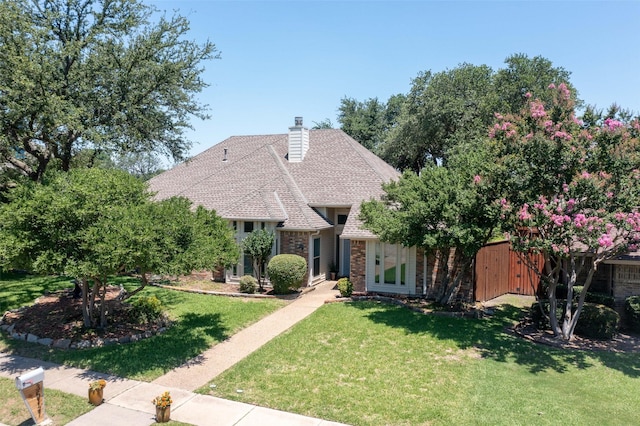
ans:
(410, 272)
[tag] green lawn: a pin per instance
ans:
(59, 406)
(201, 321)
(367, 363)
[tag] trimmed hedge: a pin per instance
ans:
(146, 309)
(591, 297)
(248, 284)
(286, 272)
(596, 321)
(632, 309)
(345, 287)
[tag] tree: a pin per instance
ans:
(570, 192)
(368, 122)
(258, 245)
(447, 211)
(97, 75)
(441, 110)
(528, 75)
(93, 223)
(324, 124)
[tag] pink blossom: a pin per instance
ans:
(537, 109)
(527, 95)
(477, 179)
(552, 86)
(498, 115)
(562, 135)
(511, 133)
(570, 204)
(564, 91)
(579, 220)
(612, 124)
(524, 212)
(529, 136)
(557, 219)
(585, 175)
(548, 124)
(609, 194)
(605, 241)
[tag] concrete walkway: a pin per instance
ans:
(128, 402)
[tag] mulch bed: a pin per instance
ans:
(58, 316)
(621, 342)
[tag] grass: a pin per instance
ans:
(59, 406)
(367, 363)
(201, 321)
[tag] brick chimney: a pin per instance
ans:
(298, 141)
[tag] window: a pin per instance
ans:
(316, 256)
(390, 268)
(342, 219)
(248, 227)
(247, 265)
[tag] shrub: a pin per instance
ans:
(597, 321)
(146, 309)
(286, 272)
(632, 308)
(248, 284)
(593, 297)
(345, 287)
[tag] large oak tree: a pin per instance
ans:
(94, 75)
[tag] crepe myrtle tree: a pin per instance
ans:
(92, 224)
(571, 192)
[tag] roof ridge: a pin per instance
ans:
(360, 150)
(291, 184)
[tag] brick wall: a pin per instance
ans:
(358, 265)
(293, 242)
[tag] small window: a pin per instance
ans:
(316, 256)
(248, 227)
(342, 219)
(262, 224)
(235, 225)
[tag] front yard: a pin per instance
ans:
(367, 363)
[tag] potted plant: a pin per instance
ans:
(163, 407)
(333, 270)
(96, 389)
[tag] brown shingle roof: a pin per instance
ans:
(257, 182)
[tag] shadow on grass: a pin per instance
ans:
(491, 337)
(19, 289)
(188, 338)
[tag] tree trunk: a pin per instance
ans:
(86, 309)
(103, 305)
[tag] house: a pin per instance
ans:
(306, 186)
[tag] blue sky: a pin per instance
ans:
(281, 59)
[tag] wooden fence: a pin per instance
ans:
(500, 270)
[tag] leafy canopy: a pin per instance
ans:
(94, 76)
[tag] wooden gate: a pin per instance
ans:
(500, 270)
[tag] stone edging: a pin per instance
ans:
(74, 344)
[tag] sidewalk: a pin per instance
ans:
(128, 402)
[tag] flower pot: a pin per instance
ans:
(163, 415)
(95, 396)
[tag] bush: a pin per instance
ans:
(248, 284)
(345, 287)
(146, 309)
(286, 272)
(597, 321)
(632, 309)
